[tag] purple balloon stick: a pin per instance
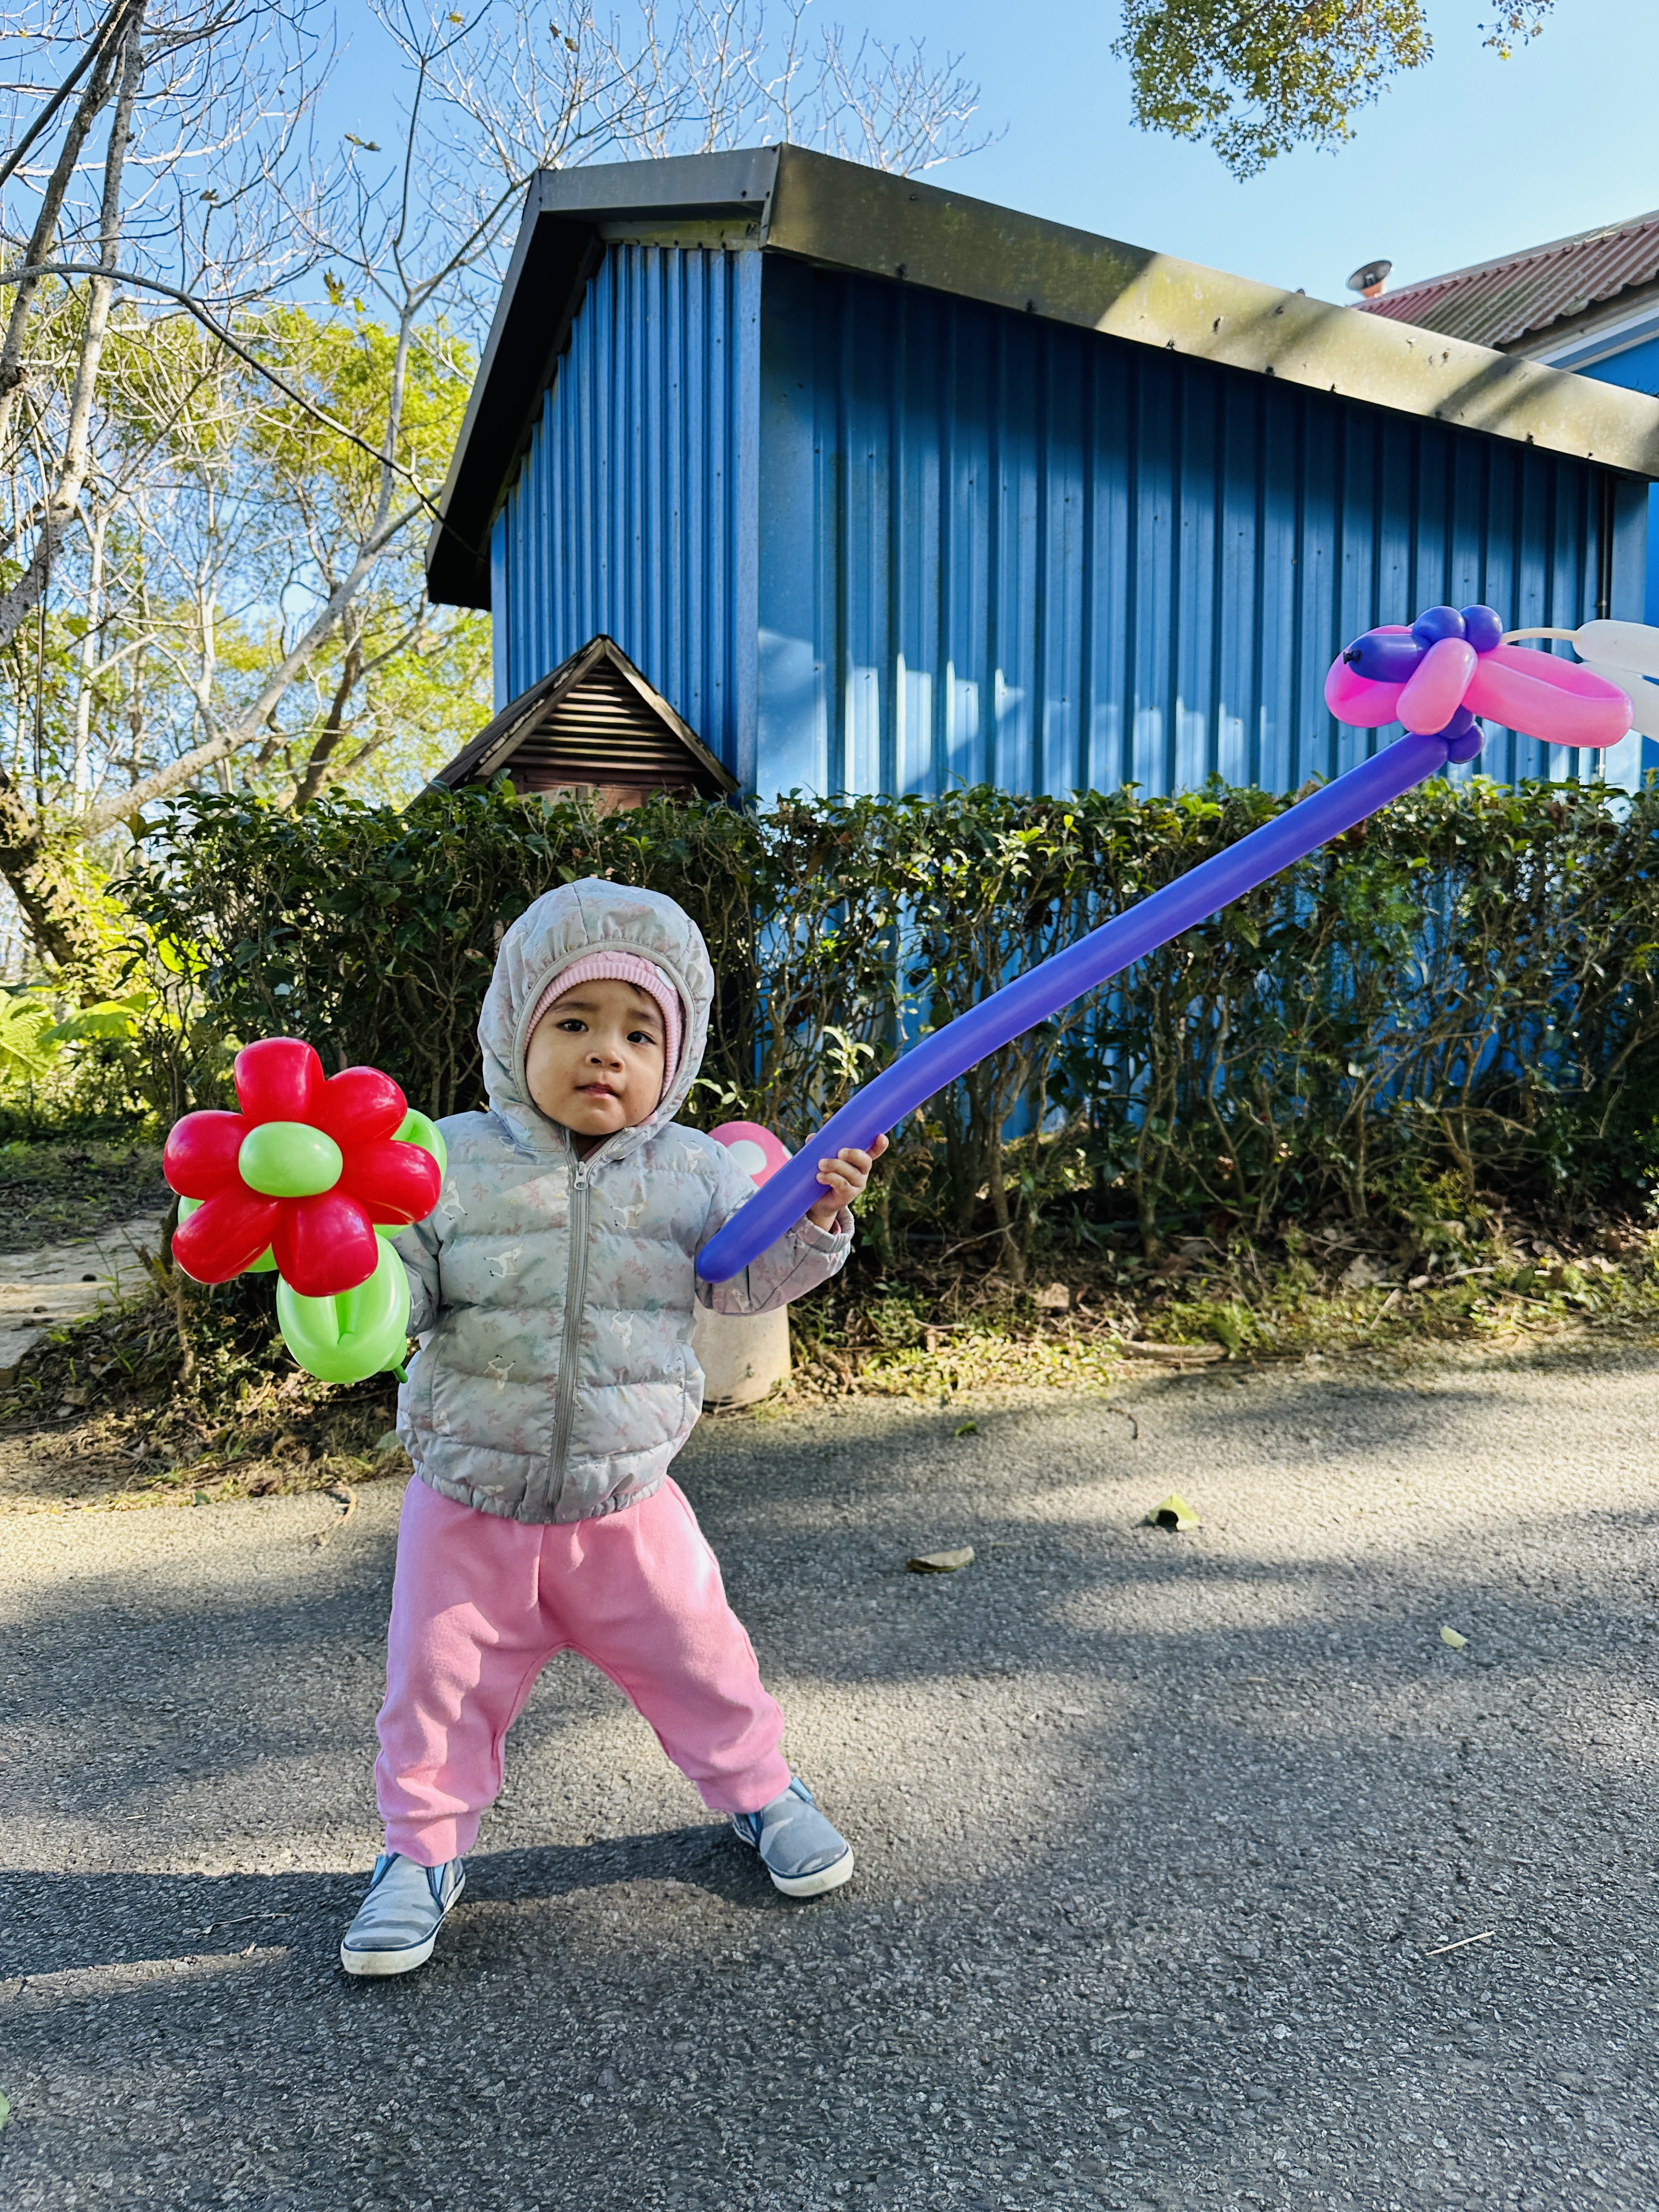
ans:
(1031, 999)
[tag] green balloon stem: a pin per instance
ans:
(418, 1128)
(348, 1338)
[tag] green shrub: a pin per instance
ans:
(1463, 985)
(69, 1071)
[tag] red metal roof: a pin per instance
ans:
(1498, 303)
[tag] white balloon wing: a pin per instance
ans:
(1622, 652)
(1626, 653)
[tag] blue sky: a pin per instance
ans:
(1463, 160)
(1459, 161)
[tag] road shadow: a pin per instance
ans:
(1156, 1832)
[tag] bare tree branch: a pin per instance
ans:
(17, 603)
(98, 48)
(240, 732)
(46, 228)
(226, 338)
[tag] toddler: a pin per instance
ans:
(552, 1292)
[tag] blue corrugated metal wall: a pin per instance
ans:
(634, 511)
(994, 548)
(867, 538)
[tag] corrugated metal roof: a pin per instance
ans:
(1498, 303)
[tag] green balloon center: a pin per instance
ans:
(288, 1159)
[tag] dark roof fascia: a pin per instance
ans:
(556, 251)
(841, 214)
(499, 734)
(500, 737)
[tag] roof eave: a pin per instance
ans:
(851, 217)
(841, 214)
(1592, 332)
(555, 253)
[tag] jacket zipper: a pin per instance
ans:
(575, 1293)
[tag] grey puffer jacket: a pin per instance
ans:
(553, 1295)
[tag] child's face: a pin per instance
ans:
(595, 1059)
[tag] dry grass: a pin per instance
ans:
(102, 1415)
(104, 1411)
(1486, 1277)
(87, 1466)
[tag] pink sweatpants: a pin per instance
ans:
(479, 1604)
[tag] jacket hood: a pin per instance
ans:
(563, 927)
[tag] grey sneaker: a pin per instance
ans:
(798, 1847)
(398, 1922)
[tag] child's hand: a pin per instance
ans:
(845, 1177)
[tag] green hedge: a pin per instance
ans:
(1463, 986)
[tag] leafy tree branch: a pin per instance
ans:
(1253, 78)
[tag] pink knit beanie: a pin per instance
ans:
(623, 968)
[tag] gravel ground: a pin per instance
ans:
(1161, 1836)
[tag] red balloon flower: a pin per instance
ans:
(306, 1169)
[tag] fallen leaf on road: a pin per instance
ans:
(1457, 1643)
(5, 2111)
(942, 1563)
(966, 1428)
(346, 1498)
(1173, 1513)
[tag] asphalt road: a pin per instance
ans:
(1161, 1838)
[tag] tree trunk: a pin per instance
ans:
(49, 890)
(316, 768)
(1013, 1257)
(44, 234)
(17, 603)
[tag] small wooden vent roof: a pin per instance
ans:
(594, 723)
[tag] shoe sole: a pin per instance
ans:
(815, 1885)
(403, 1961)
(388, 1962)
